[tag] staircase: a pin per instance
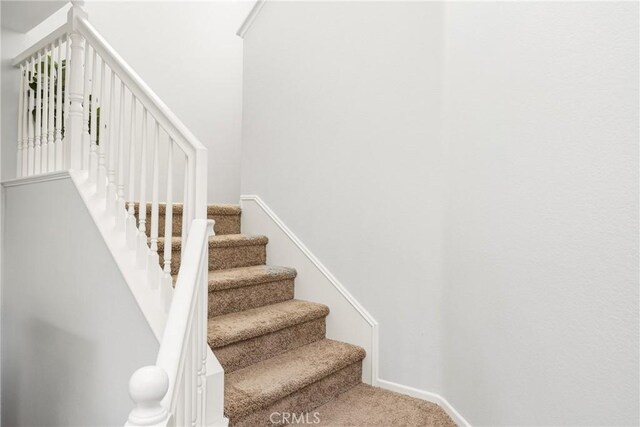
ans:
(279, 366)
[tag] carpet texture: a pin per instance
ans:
(273, 348)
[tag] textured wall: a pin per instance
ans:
(541, 297)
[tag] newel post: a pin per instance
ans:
(147, 388)
(73, 155)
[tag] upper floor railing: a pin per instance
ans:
(82, 107)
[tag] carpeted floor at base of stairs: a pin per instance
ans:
(280, 368)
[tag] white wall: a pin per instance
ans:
(341, 138)
(469, 172)
(188, 54)
(541, 298)
(72, 333)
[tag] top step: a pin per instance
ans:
(227, 218)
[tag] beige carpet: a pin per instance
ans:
(273, 347)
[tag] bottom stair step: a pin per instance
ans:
(298, 380)
(364, 405)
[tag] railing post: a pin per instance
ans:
(76, 87)
(147, 387)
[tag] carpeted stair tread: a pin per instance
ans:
(243, 325)
(222, 241)
(259, 385)
(364, 405)
(246, 276)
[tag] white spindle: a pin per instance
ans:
(93, 125)
(131, 217)
(51, 150)
(31, 152)
(86, 137)
(185, 202)
(25, 120)
(102, 141)
(187, 381)
(143, 249)
(21, 119)
(38, 150)
(120, 203)
(153, 265)
(59, 113)
(44, 67)
(111, 158)
(167, 281)
(67, 80)
(180, 406)
(194, 371)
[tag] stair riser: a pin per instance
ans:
(306, 399)
(225, 224)
(247, 297)
(237, 256)
(244, 353)
(221, 257)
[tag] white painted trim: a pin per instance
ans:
(147, 298)
(35, 179)
(44, 42)
(294, 239)
(425, 395)
(372, 371)
(251, 17)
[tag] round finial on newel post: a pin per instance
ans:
(147, 388)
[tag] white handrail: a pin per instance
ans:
(156, 399)
(41, 44)
(158, 109)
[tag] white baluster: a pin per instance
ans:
(111, 158)
(21, 119)
(26, 118)
(93, 125)
(67, 80)
(188, 377)
(147, 388)
(153, 264)
(180, 415)
(37, 164)
(58, 148)
(194, 370)
(185, 203)
(73, 156)
(166, 286)
(120, 203)
(143, 249)
(31, 151)
(51, 149)
(86, 92)
(101, 185)
(44, 151)
(131, 217)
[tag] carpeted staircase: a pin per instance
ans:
(273, 348)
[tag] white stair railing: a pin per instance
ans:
(76, 95)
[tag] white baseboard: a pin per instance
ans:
(348, 321)
(425, 395)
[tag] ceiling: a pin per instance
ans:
(24, 15)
